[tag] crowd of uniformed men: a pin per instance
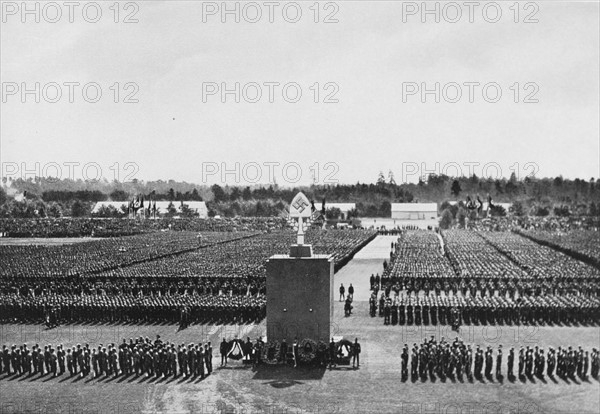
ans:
(139, 357)
(184, 309)
(513, 288)
(432, 359)
(494, 310)
(144, 357)
(421, 297)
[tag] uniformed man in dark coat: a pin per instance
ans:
(551, 362)
(208, 358)
(401, 313)
(356, 353)
(223, 349)
(511, 362)
(53, 362)
(200, 359)
(386, 313)
(61, 359)
(499, 363)
(373, 305)
(404, 358)
(332, 353)
(521, 362)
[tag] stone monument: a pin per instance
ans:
(299, 286)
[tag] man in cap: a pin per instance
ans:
(511, 362)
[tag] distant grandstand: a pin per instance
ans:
(414, 211)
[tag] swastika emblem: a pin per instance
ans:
(300, 204)
(299, 207)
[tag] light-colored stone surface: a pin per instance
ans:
(358, 270)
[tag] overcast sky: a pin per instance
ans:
(368, 56)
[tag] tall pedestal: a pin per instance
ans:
(299, 297)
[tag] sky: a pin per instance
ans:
(360, 69)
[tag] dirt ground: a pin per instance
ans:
(238, 388)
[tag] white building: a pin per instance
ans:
(414, 211)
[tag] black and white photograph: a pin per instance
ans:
(298, 207)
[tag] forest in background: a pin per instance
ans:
(555, 196)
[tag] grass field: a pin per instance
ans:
(376, 387)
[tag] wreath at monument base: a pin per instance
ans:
(344, 351)
(307, 350)
(270, 353)
(236, 349)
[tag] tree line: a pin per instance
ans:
(556, 196)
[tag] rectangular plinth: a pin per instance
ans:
(301, 250)
(299, 297)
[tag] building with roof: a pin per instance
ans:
(414, 211)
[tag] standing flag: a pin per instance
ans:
(138, 203)
(134, 206)
(480, 206)
(490, 206)
(489, 199)
(470, 203)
